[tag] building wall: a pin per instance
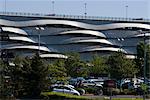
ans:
(59, 36)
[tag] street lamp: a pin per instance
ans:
(53, 7)
(5, 6)
(85, 13)
(126, 11)
(39, 37)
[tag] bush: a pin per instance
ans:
(115, 91)
(90, 90)
(148, 96)
(93, 90)
(129, 92)
(62, 96)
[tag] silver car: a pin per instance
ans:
(65, 89)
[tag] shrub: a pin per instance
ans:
(62, 96)
(90, 90)
(148, 96)
(115, 91)
(129, 92)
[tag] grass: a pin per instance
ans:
(62, 96)
(125, 99)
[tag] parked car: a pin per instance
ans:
(74, 81)
(98, 81)
(108, 85)
(91, 83)
(93, 87)
(68, 85)
(65, 89)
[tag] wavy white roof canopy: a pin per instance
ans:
(146, 34)
(53, 56)
(105, 49)
(104, 41)
(14, 30)
(72, 23)
(89, 32)
(21, 38)
(42, 48)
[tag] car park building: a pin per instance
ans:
(54, 35)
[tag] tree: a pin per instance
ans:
(148, 63)
(121, 67)
(140, 58)
(98, 67)
(75, 67)
(29, 76)
(36, 78)
(18, 72)
(57, 71)
(2, 80)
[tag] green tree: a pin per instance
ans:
(57, 71)
(148, 63)
(2, 80)
(121, 67)
(75, 67)
(18, 72)
(29, 76)
(140, 58)
(37, 77)
(98, 67)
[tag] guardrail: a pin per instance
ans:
(74, 17)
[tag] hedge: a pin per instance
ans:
(62, 96)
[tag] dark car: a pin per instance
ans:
(110, 87)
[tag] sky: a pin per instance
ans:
(104, 8)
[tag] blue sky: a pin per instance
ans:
(108, 8)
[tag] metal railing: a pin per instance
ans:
(74, 17)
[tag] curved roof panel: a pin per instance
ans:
(42, 48)
(105, 49)
(19, 38)
(72, 23)
(104, 41)
(14, 30)
(89, 32)
(146, 34)
(53, 56)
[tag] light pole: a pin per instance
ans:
(85, 13)
(120, 39)
(53, 7)
(126, 12)
(5, 6)
(39, 37)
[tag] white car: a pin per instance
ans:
(62, 85)
(65, 89)
(91, 83)
(98, 81)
